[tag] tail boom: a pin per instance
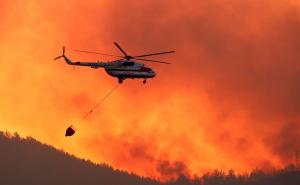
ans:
(89, 64)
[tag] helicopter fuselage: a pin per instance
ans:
(123, 69)
(120, 69)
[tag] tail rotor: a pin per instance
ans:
(63, 53)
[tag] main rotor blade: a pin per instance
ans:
(92, 52)
(121, 49)
(148, 60)
(155, 54)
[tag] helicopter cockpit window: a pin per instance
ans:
(128, 63)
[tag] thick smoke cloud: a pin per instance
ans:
(172, 170)
(227, 101)
(285, 142)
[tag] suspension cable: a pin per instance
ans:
(100, 102)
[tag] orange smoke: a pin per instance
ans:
(228, 101)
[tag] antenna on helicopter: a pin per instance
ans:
(63, 53)
(128, 57)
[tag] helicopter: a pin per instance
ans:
(125, 67)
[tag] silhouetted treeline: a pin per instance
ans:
(29, 162)
(288, 176)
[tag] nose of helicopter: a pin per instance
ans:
(153, 74)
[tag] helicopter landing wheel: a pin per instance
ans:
(144, 81)
(120, 80)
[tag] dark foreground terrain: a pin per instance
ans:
(29, 162)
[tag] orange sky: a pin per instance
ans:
(230, 99)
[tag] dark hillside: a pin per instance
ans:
(29, 162)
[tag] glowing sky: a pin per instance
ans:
(230, 99)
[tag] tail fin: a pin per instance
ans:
(64, 56)
(63, 53)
